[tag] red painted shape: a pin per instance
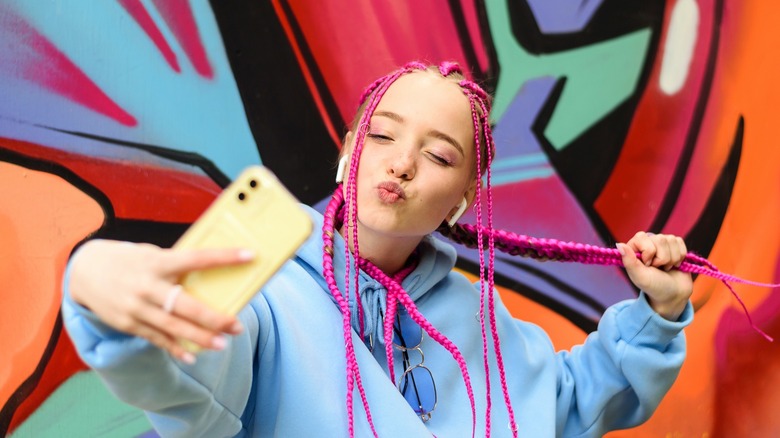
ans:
(158, 194)
(178, 15)
(141, 16)
(374, 38)
(748, 371)
(655, 141)
(46, 65)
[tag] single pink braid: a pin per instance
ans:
(485, 360)
(491, 273)
(352, 369)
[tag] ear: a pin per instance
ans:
(347, 144)
(471, 192)
(459, 212)
(340, 172)
(465, 202)
(346, 153)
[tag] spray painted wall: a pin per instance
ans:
(124, 119)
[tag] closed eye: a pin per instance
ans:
(440, 160)
(379, 137)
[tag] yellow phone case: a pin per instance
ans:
(255, 212)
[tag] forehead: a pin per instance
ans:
(429, 100)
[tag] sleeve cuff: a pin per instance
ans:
(639, 324)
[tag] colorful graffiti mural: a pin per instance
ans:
(124, 119)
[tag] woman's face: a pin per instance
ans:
(418, 160)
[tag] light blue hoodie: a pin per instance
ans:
(284, 376)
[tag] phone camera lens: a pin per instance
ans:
(252, 183)
(241, 196)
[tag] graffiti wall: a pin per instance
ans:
(123, 119)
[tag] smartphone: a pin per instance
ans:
(255, 212)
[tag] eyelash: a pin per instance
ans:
(436, 158)
(379, 137)
(440, 160)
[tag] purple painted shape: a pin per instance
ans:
(544, 207)
(512, 134)
(563, 16)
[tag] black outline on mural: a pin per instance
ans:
(192, 158)
(273, 88)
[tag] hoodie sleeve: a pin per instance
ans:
(204, 399)
(617, 378)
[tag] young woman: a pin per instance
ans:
(368, 331)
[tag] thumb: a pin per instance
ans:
(630, 261)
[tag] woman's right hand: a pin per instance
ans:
(126, 285)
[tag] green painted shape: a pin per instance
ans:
(83, 407)
(599, 77)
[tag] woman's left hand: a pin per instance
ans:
(667, 289)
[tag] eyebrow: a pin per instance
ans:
(433, 133)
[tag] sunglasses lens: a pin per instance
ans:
(418, 389)
(408, 335)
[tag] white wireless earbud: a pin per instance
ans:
(342, 168)
(461, 209)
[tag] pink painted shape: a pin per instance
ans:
(31, 56)
(374, 38)
(142, 17)
(178, 15)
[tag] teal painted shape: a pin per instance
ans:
(83, 407)
(598, 77)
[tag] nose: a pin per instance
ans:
(402, 166)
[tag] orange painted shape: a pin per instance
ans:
(42, 217)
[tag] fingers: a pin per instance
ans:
(132, 287)
(663, 251)
(630, 260)
(199, 314)
(168, 315)
(176, 262)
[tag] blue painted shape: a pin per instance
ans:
(179, 111)
(563, 16)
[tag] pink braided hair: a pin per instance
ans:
(555, 250)
(472, 236)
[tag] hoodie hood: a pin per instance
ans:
(436, 260)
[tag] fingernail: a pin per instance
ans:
(620, 249)
(219, 342)
(188, 358)
(236, 327)
(246, 255)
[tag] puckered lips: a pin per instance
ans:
(390, 192)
